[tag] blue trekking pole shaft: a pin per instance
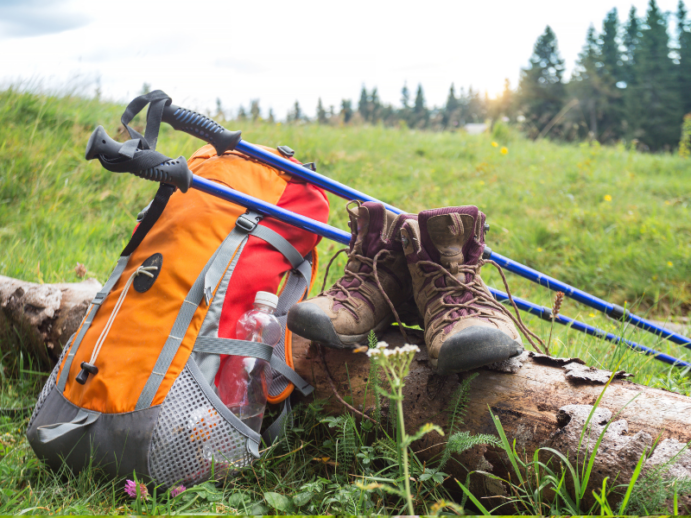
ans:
(338, 235)
(222, 139)
(613, 310)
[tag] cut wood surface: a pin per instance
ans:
(541, 402)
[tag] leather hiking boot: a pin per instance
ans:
(465, 327)
(361, 300)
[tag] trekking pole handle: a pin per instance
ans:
(202, 127)
(114, 156)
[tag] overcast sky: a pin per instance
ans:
(282, 51)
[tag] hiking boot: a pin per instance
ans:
(465, 327)
(343, 316)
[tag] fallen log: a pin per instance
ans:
(42, 316)
(541, 401)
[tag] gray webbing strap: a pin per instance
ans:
(275, 429)
(94, 307)
(217, 268)
(280, 366)
(207, 344)
(305, 269)
(253, 438)
(222, 255)
(51, 432)
(280, 243)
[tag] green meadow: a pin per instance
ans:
(610, 220)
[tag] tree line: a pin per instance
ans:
(632, 82)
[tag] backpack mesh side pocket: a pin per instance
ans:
(192, 441)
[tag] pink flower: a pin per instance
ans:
(131, 489)
(177, 490)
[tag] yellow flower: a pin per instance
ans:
(494, 144)
(669, 263)
(539, 249)
(504, 151)
(591, 315)
(608, 197)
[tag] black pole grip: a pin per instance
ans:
(202, 127)
(144, 163)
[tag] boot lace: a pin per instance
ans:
(482, 304)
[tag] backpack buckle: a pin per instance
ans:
(247, 223)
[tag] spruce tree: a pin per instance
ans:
(405, 96)
(632, 36)
(653, 103)
(271, 118)
(611, 78)
(541, 90)
(374, 106)
(586, 85)
(255, 111)
(321, 113)
(363, 105)
(450, 113)
(297, 112)
(346, 110)
(420, 113)
(684, 50)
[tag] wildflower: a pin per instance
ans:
(504, 150)
(177, 490)
(131, 489)
(80, 270)
(591, 315)
(608, 197)
(539, 249)
(494, 144)
(670, 264)
(558, 299)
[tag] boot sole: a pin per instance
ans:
(309, 321)
(475, 347)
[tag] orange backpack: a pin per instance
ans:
(155, 335)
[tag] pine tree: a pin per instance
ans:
(653, 103)
(542, 92)
(346, 110)
(684, 66)
(420, 112)
(363, 105)
(271, 119)
(506, 101)
(321, 113)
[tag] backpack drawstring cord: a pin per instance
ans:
(146, 270)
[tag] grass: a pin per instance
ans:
(606, 219)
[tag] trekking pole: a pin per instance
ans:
(101, 146)
(223, 140)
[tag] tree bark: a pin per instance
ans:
(541, 402)
(40, 318)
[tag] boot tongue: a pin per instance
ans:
(371, 221)
(449, 236)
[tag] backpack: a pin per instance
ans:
(153, 338)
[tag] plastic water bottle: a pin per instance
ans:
(244, 382)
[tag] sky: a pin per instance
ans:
(279, 52)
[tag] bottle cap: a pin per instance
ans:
(266, 298)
